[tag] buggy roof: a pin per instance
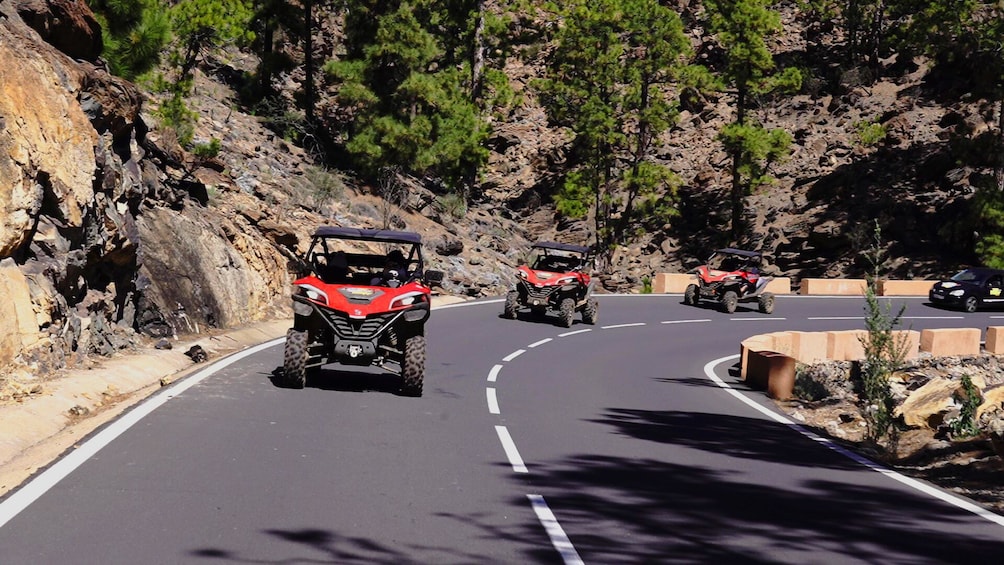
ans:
(368, 234)
(740, 252)
(562, 247)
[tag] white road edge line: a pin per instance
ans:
(709, 371)
(566, 334)
(554, 531)
(38, 486)
(513, 355)
(509, 446)
(541, 342)
(622, 326)
(494, 373)
(493, 401)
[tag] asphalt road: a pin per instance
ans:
(630, 441)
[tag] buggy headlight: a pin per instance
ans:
(408, 299)
(565, 280)
(313, 293)
(949, 284)
(521, 273)
(958, 292)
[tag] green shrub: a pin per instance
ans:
(452, 204)
(884, 350)
(965, 425)
(869, 132)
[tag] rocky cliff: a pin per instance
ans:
(102, 236)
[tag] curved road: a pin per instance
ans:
(626, 442)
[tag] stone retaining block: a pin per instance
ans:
(672, 283)
(995, 340)
(808, 347)
(845, 345)
(950, 341)
(779, 285)
(772, 371)
(754, 343)
(905, 288)
(910, 341)
(842, 287)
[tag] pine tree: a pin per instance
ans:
(742, 28)
(607, 84)
(134, 32)
(410, 110)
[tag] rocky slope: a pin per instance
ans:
(111, 234)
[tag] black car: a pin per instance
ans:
(970, 289)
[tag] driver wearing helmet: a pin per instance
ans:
(393, 272)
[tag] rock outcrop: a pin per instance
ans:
(104, 239)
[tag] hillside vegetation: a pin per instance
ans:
(423, 95)
(177, 154)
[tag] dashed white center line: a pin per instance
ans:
(623, 326)
(541, 342)
(554, 530)
(771, 319)
(513, 355)
(685, 321)
(494, 373)
(566, 334)
(510, 450)
(493, 402)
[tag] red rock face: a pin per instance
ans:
(68, 25)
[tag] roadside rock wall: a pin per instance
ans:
(104, 238)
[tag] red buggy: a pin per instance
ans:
(554, 281)
(363, 301)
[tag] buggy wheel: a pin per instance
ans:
(294, 360)
(765, 302)
(511, 305)
(413, 366)
(690, 295)
(567, 312)
(591, 312)
(729, 301)
(970, 304)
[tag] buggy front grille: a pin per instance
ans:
(541, 294)
(351, 328)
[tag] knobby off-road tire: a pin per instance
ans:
(765, 302)
(690, 295)
(294, 359)
(567, 312)
(970, 304)
(413, 366)
(511, 305)
(591, 312)
(729, 301)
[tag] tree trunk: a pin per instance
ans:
(642, 141)
(308, 60)
(478, 56)
(738, 189)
